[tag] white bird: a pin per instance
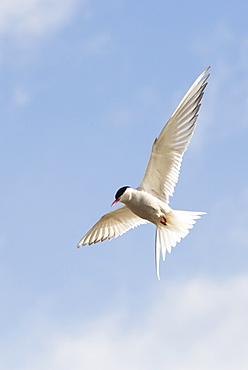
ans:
(150, 201)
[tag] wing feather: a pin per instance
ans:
(112, 225)
(168, 149)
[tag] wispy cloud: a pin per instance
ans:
(195, 324)
(31, 18)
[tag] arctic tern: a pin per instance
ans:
(150, 201)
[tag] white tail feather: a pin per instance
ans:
(178, 224)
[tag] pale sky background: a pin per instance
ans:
(85, 87)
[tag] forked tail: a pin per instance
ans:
(178, 224)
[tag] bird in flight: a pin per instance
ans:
(150, 201)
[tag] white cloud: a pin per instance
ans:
(31, 18)
(192, 325)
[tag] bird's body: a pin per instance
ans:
(150, 201)
(145, 205)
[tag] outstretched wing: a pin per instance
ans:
(112, 225)
(164, 164)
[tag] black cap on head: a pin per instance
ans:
(120, 192)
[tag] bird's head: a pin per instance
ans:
(120, 194)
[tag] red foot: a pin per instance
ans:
(164, 222)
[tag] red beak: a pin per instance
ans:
(114, 202)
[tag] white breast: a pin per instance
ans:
(145, 205)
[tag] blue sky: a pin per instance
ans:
(85, 87)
